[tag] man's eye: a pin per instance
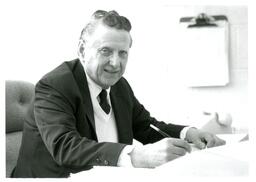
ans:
(105, 51)
(123, 53)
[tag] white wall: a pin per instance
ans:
(39, 35)
(153, 68)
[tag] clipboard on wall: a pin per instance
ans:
(204, 50)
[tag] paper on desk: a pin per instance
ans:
(229, 138)
(232, 138)
(231, 159)
(233, 148)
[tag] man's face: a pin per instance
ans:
(106, 54)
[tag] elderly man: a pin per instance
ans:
(85, 113)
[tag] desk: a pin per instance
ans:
(228, 160)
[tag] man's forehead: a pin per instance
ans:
(104, 34)
(102, 28)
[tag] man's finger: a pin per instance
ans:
(181, 143)
(199, 144)
(179, 151)
(219, 141)
(172, 156)
(210, 140)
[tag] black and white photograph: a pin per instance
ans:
(126, 90)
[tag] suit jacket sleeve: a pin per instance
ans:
(57, 126)
(144, 133)
(142, 120)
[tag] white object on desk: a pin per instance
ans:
(220, 123)
(224, 119)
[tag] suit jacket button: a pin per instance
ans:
(106, 162)
(98, 160)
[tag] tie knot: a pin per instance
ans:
(104, 102)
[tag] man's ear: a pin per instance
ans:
(81, 47)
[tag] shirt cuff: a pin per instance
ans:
(124, 159)
(183, 132)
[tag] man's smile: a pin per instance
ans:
(111, 71)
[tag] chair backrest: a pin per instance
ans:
(18, 95)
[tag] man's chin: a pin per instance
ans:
(109, 83)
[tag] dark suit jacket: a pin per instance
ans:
(59, 135)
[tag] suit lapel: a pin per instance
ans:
(122, 116)
(81, 80)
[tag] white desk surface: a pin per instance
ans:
(230, 160)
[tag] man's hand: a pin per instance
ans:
(153, 155)
(203, 139)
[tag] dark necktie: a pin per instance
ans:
(104, 102)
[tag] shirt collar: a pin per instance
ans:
(94, 88)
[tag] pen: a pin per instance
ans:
(159, 131)
(164, 134)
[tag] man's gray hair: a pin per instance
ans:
(111, 19)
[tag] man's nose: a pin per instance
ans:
(114, 60)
